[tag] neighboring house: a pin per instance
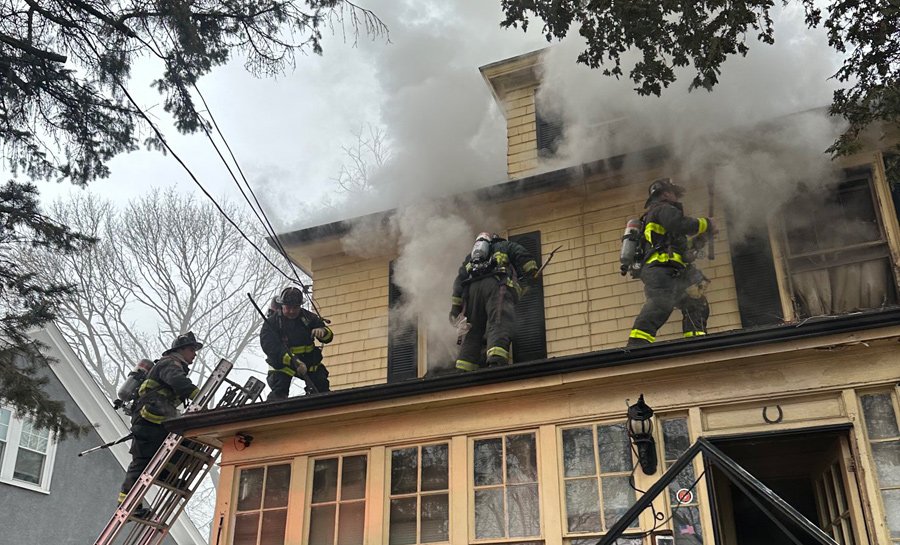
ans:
(797, 380)
(50, 495)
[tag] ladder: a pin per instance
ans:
(176, 470)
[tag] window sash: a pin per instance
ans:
(503, 495)
(892, 524)
(17, 438)
(342, 509)
(418, 496)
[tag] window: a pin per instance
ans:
(682, 490)
(597, 465)
(549, 128)
(262, 498)
(420, 507)
(884, 440)
(338, 504)
(836, 251)
(506, 487)
(26, 452)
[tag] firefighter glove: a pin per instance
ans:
(455, 311)
(319, 333)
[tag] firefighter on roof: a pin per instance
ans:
(288, 339)
(165, 387)
(485, 292)
(669, 276)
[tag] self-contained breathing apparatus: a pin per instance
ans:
(481, 260)
(635, 248)
(128, 394)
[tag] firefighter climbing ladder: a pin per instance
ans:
(176, 470)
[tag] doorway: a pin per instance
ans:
(810, 470)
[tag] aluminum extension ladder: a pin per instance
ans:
(176, 470)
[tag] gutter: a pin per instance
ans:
(613, 357)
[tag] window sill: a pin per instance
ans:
(26, 486)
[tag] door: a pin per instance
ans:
(837, 493)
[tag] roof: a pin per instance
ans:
(95, 405)
(709, 344)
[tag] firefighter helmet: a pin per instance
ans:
(183, 340)
(660, 186)
(290, 296)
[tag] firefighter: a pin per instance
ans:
(669, 276)
(486, 291)
(165, 387)
(288, 339)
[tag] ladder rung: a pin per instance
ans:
(145, 522)
(175, 489)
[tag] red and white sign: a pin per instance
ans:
(684, 495)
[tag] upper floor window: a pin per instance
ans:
(505, 477)
(420, 501)
(26, 452)
(262, 498)
(836, 251)
(880, 412)
(548, 126)
(597, 466)
(338, 504)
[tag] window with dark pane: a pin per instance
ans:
(420, 501)
(548, 126)
(880, 413)
(403, 336)
(597, 462)
(338, 500)
(262, 499)
(507, 502)
(682, 491)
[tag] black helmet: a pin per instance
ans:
(185, 339)
(290, 296)
(660, 186)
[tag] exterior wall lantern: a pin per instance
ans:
(640, 429)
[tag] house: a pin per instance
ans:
(796, 381)
(48, 494)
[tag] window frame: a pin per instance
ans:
(261, 509)
(470, 479)
(310, 479)
(11, 445)
(695, 464)
(419, 493)
(881, 513)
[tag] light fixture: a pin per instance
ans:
(640, 429)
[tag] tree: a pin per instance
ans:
(370, 152)
(669, 35)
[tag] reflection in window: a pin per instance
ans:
(884, 439)
(682, 492)
(420, 507)
(338, 506)
(262, 498)
(597, 463)
(506, 487)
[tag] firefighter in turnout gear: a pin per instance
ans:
(486, 291)
(165, 387)
(288, 339)
(669, 276)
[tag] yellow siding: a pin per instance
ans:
(521, 134)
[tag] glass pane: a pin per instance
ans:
(435, 518)
(404, 470)
(435, 461)
(325, 480)
(488, 462)
(836, 477)
(521, 459)
(614, 448)
(578, 452)
(583, 505)
(29, 466)
(489, 514)
(892, 510)
(250, 489)
(881, 422)
(351, 522)
(353, 478)
(321, 525)
(403, 521)
(4, 423)
(524, 510)
(274, 523)
(278, 484)
(684, 479)
(675, 437)
(887, 461)
(34, 438)
(617, 498)
(245, 529)
(686, 521)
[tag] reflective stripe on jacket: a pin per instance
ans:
(166, 387)
(667, 230)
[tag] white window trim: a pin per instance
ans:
(7, 463)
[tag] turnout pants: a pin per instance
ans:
(667, 288)
(148, 437)
(491, 311)
(280, 382)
